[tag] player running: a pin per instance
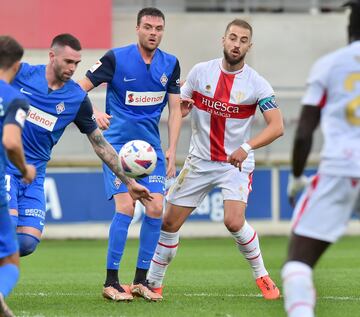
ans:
(225, 93)
(141, 80)
(55, 102)
(13, 108)
(322, 213)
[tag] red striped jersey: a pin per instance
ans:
(224, 109)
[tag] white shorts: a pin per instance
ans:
(326, 206)
(198, 177)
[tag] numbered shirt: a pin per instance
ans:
(224, 109)
(334, 85)
(50, 112)
(136, 93)
(13, 108)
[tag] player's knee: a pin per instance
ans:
(234, 226)
(126, 207)
(155, 209)
(27, 243)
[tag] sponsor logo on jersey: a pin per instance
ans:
(41, 118)
(221, 108)
(163, 79)
(60, 107)
(156, 179)
(34, 212)
(95, 66)
(144, 98)
(20, 117)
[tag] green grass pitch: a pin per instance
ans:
(207, 278)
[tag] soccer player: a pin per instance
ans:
(55, 102)
(13, 108)
(322, 213)
(141, 80)
(225, 94)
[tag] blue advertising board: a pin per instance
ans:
(80, 196)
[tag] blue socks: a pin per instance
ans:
(9, 274)
(27, 243)
(149, 237)
(117, 238)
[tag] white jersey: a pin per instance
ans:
(224, 108)
(334, 85)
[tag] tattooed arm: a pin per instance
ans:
(108, 155)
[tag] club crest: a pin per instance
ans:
(163, 79)
(60, 107)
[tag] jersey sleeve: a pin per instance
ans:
(315, 94)
(103, 70)
(189, 85)
(16, 112)
(85, 119)
(174, 84)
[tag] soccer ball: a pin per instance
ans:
(137, 158)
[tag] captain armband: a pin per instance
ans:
(267, 104)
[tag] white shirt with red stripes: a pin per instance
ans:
(224, 108)
(334, 85)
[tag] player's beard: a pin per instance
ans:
(233, 60)
(59, 74)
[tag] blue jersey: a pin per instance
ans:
(136, 93)
(50, 112)
(13, 108)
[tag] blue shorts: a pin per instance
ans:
(28, 200)
(8, 240)
(154, 182)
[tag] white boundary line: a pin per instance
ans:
(72, 294)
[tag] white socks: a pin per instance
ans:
(248, 244)
(164, 253)
(298, 289)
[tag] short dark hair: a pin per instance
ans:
(10, 51)
(241, 23)
(354, 19)
(154, 12)
(66, 39)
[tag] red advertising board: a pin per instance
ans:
(35, 22)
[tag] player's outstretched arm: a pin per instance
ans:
(102, 118)
(174, 125)
(108, 155)
(15, 152)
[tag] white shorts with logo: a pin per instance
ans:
(326, 206)
(198, 177)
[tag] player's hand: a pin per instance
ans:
(186, 105)
(171, 167)
(295, 185)
(102, 119)
(138, 192)
(29, 174)
(237, 157)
